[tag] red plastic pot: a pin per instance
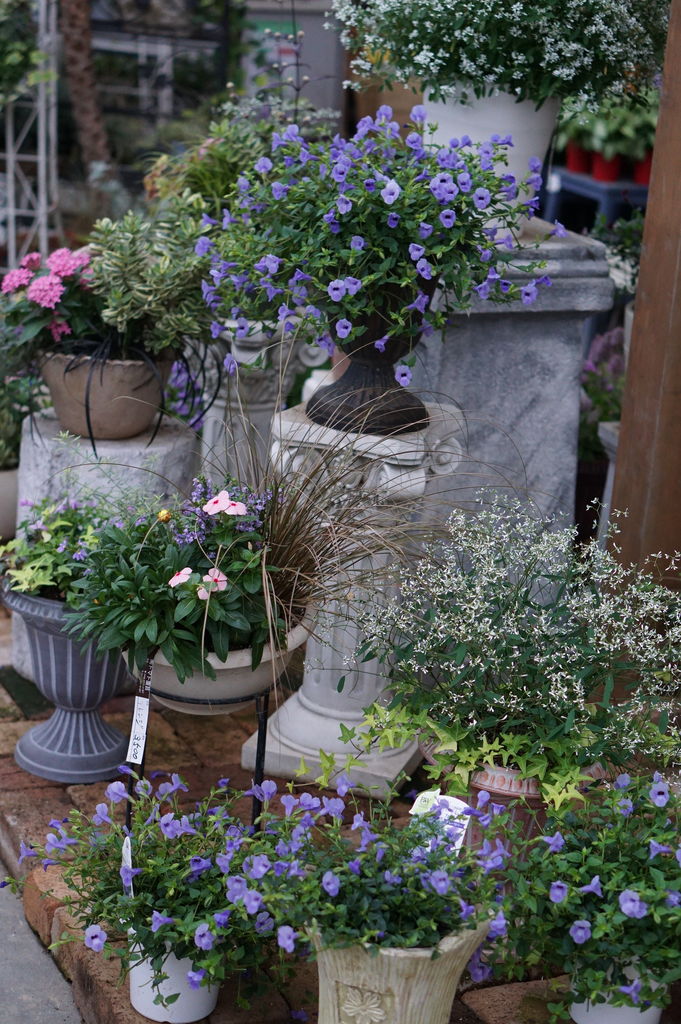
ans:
(606, 170)
(642, 169)
(577, 158)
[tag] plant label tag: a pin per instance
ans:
(424, 801)
(138, 731)
(454, 817)
(126, 862)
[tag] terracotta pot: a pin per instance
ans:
(577, 159)
(121, 397)
(642, 169)
(606, 170)
(236, 683)
(8, 503)
(395, 986)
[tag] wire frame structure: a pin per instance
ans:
(28, 207)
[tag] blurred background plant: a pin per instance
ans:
(602, 389)
(622, 127)
(623, 240)
(17, 400)
(19, 56)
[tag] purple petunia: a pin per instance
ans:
(357, 242)
(418, 114)
(279, 190)
(416, 251)
(655, 848)
(424, 269)
(659, 792)
(101, 815)
(448, 218)
(380, 343)
(252, 901)
(497, 926)
(344, 204)
(481, 198)
(580, 932)
(95, 937)
(195, 978)
(390, 192)
(353, 285)
(333, 806)
(343, 328)
(425, 229)
(392, 220)
(622, 781)
(632, 991)
(558, 892)
(439, 882)
(594, 886)
(203, 245)
(632, 905)
(263, 165)
(528, 293)
(330, 883)
(286, 938)
(127, 874)
(158, 920)
(337, 290)
(115, 792)
(402, 374)
(203, 937)
(221, 918)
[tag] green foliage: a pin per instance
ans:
(149, 280)
(623, 127)
(19, 57)
(622, 845)
(49, 553)
(623, 240)
(16, 402)
(505, 644)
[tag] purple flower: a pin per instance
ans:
(94, 938)
(481, 198)
(402, 374)
(656, 848)
(174, 786)
(337, 290)
(580, 932)
(236, 887)
(258, 866)
(353, 285)
(425, 229)
(467, 909)
(195, 978)
(127, 874)
(115, 792)
(439, 880)
(370, 184)
(158, 920)
(425, 269)
(380, 343)
(355, 866)
(263, 165)
(448, 218)
(264, 923)
(393, 220)
(558, 892)
(416, 251)
(659, 793)
(252, 901)
(263, 792)
(673, 898)
(465, 181)
(477, 969)
(230, 364)
(497, 926)
(308, 802)
(631, 904)
(221, 918)
(344, 204)
(170, 827)
(594, 886)
(330, 883)
(286, 938)
(203, 245)
(559, 230)
(528, 293)
(390, 192)
(418, 114)
(343, 784)
(101, 815)
(198, 865)
(632, 990)
(626, 807)
(203, 936)
(25, 851)
(269, 264)
(343, 328)
(357, 242)
(332, 806)
(279, 190)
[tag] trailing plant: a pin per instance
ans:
(598, 895)
(534, 50)
(506, 643)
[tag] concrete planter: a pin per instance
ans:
(74, 745)
(8, 503)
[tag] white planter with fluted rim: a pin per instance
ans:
(193, 1004)
(530, 128)
(235, 679)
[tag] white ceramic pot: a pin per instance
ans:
(8, 503)
(531, 128)
(193, 1004)
(605, 1013)
(396, 986)
(235, 679)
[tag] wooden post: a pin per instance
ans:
(648, 475)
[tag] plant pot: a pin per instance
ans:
(366, 398)
(8, 503)
(530, 128)
(75, 744)
(606, 170)
(577, 159)
(642, 169)
(604, 1013)
(104, 400)
(236, 683)
(395, 986)
(193, 1004)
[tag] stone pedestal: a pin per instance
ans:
(397, 471)
(515, 372)
(51, 467)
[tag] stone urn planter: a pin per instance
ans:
(75, 744)
(395, 986)
(104, 399)
(236, 683)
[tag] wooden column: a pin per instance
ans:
(648, 476)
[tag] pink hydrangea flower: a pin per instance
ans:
(217, 578)
(180, 577)
(64, 262)
(46, 291)
(223, 503)
(59, 328)
(31, 260)
(16, 279)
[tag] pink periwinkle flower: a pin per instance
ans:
(46, 291)
(223, 503)
(180, 577)
(217, 579)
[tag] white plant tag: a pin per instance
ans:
(126, 862)
(451, 808)
(138, 731)
(424, 801)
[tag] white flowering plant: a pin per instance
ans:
(534, 49)
(598, 895)
(509, 644)
(347, 240)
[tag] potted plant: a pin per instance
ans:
(619, 130)
(392, 914)
(19, 56)
(525, 57)
(15, 404)
(525, 659)
(41, 567)
(152, 894)
(348, 240)
(598, 896)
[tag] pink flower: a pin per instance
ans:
(223, 503)
(16, 279)
(45, 291)
(180, 577)
(217, 578)
(202, 594)
(31, 260)
(64, 262)
(58, 328)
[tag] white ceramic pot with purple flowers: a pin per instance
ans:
(195, 1001)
